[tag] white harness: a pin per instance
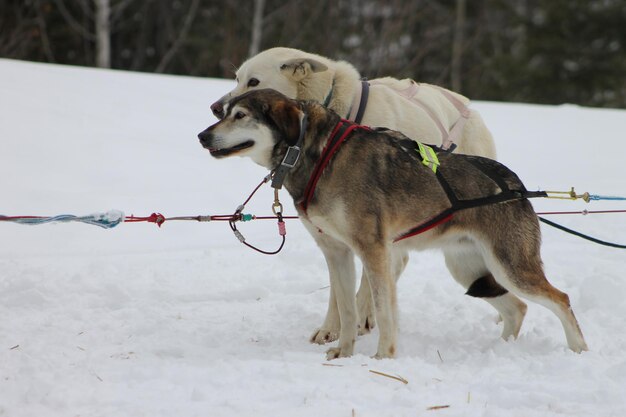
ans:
(410, 93)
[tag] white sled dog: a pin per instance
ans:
(423, 112)
(378, 194)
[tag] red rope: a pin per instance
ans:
(583, 212)
(275, 217)
(157, 218)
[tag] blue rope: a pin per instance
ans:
(596, 197)
(106, 220)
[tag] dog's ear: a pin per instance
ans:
(300, 68)
(287, 116)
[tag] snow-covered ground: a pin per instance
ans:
(185, 321)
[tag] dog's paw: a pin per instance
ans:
(366, 326)
(579, 346)
(386, 353)
(336, 352)
(322, 336)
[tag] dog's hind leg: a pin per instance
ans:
(520, 271)
(466, 264)
(364, 302)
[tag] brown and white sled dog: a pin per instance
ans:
(372, 192)
(421, 111)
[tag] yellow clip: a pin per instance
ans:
(429, 156)
(569, 195)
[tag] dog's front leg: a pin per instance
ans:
(364, 301)
(330, 328)
(378, 263)
(340, 261)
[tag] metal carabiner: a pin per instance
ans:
(277, 207)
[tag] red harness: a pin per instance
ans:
(336, 138)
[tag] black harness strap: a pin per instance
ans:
(446, 187)
(489, 173)
(365, 92)
(456, 204)
(329, 96)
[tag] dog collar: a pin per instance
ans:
(291, 157)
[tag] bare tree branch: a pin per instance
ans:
(118, 9)
(15, 27)
(73, 23)
(182, 35)
(43, 33)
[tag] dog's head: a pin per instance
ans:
(280, 69)
(259, 124)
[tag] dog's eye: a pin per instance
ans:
(253, 82)
(240, 115)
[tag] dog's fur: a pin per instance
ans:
(373, 191)
(304, 76)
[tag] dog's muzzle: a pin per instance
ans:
(207, 140)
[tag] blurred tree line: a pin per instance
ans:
(537, 51)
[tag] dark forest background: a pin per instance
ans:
(540, 51)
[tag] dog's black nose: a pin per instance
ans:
(204, 137)
(218, 109)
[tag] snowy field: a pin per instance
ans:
(186, 321)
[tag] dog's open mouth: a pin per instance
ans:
(229, 151)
